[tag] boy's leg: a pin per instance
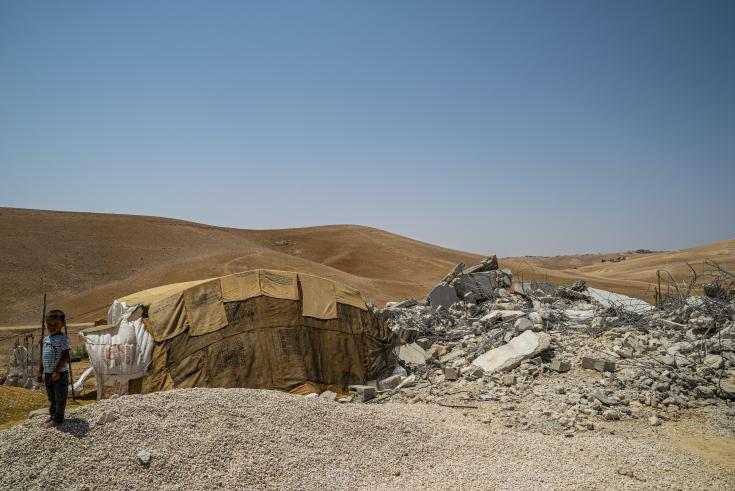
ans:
(61, 389)
(50, 393)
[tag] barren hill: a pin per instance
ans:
(634, 276)
(84, 260)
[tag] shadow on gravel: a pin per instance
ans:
(75, 427)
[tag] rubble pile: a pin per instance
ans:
(563, 358)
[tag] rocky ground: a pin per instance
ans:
(255, 439)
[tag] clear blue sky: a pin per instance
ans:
(514, 127)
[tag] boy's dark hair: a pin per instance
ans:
(56, 314)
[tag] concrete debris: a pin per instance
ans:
(560, 366)
(412, 353)
(390, 383)
(480, 285)
(424, 343)
(510, 355)
(597, 354)
(362, 393)
(328, 395)
(523, 324)
(598, 364)
(402, 305)
(489, 264)
(442, 296)
(451, 373)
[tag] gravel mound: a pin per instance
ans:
(255, 439)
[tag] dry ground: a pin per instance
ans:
(258, 439)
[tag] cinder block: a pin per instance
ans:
(598, 364)
(363, 393)
(560, 366)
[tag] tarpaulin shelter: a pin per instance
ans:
(258, 329)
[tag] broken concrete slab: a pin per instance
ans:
(404, 304)
(442, 296)
(609, 299)
(522, 347)
(456, 271)
(492, 317)
(489, 264)
(501, 315)
(472, 372)
(412, 354)
(452, 355)
(481, 285)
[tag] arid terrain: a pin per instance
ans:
(85, 260)
(614, 397)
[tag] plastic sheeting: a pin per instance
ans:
(121, 352)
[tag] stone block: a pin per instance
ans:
(451, 373)
(362, 393)
(560, 366)
(599, 364)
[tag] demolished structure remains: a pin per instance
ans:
(568, 355)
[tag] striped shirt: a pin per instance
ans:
(53, 348)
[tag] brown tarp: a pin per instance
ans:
(265, 329)
(319, 297)
(205, 309)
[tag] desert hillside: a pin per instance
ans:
(84, 260)
(634, 276)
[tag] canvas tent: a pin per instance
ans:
(258, 329)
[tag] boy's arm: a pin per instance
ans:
(65, 357)
(62, 361)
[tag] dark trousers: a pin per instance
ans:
(57, 392)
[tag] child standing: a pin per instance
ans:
(54, 369)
